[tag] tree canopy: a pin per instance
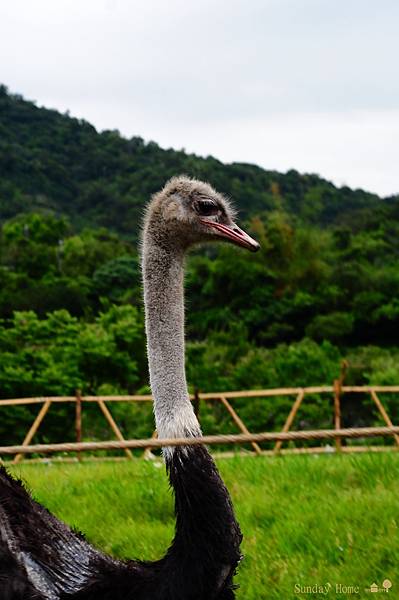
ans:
(324, 286)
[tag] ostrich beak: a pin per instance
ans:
(234, 234)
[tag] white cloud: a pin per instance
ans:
(310, 85)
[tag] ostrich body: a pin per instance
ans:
(41, 558)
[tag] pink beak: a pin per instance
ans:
(234, 234)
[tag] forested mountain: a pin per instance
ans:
(324, 286)
(50, 161)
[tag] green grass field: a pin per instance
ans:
(306, 519)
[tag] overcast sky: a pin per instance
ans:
(305, 84)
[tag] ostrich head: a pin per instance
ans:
(187, 211)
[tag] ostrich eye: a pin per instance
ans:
(206, 208)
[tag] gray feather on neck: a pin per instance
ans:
(163, 271)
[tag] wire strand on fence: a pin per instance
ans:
(362, 432)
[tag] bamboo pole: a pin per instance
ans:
(326, 389)
(78, 421)
(290, 419)
(114, 426)
(322, 389)
(239, 422)
(130, 398)
(338, 383)
(41, 400)
(61, 399)
(337, 411)
(292, 391)
(384, 414)
(33, 429)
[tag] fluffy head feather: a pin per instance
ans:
(176, 214)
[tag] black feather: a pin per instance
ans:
(43, 559)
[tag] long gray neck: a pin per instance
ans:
(164, 312)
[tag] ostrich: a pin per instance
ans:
(41, 558)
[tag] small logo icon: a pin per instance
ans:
(386, 586)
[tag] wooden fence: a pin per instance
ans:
(226, 399)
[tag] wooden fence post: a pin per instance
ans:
(78, 421)
(290, 419)
(114, 426)
(239, 422)
(34, 427)
(337, 412)
(383, 413)
(338, 383)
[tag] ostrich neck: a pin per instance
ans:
(206, 547)
(163, 270)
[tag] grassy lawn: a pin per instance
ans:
(306, 519)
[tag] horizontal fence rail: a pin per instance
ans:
(300, 394)
(322, 389)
